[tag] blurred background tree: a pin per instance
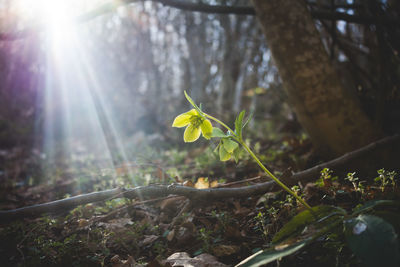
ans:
(140, 56)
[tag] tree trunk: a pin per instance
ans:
(331, 115)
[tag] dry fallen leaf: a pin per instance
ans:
(233, 231)
(184, 235)
(171, 235)
(170, 203)
(202, 183)
(148, 239)
(184, 259)
(225, 250)
(264, 199)
(160, 174)
(214, 184)
(126, 168)
(116, 224)
(239, 209)
(188, 183)
(116, 261)
(82, 223)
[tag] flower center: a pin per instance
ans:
(197, 121)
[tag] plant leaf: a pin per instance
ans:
(223, 154)
(322, 220)
(392, 217)
(373, 204)
(272, 254)
(215, 149)
(236, 154)
(193, 104)
(229, 145)
(299, 222)
(373, 240)
(217, 132)
(248, 119)
(239, 123)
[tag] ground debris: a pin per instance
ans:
(183, 259)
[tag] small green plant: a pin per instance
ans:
(260, 219)
(289, 198)
(371, 238)
(223, 218)
(326, 179)
(357, 185)
(198, 123)
(386, 178)
(206, 237)
(159, 249)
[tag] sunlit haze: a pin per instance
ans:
(77, 114)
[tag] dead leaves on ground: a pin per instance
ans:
(150, 233)
(158, 233)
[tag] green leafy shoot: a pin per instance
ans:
(193, 104)
(239, 124)
(198, 123)
(249, 118)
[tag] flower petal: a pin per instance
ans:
(181, 120)
(184, 119)
(191, 133)
(206, 129)
(193, 112)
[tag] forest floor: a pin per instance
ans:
(171, 230)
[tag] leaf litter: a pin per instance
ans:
(156, 233)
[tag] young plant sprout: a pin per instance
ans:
(198, 122)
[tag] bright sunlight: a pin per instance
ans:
(76, 113)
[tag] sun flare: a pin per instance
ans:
(78, 115)
(47, 13)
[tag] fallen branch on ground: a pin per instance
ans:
(380, 154)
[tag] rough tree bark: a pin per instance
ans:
(331, 115)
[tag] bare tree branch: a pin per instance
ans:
(212, 9)
(380, 154)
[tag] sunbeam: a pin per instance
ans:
(78, 118)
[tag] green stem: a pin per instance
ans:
(287, 189)
(224, 125)
(274, 177)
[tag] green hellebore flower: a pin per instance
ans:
(196, 125)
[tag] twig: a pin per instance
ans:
(18, 246)
(112, 213)
(380, 154)
(239, 182)
(186, 207)
(204, 8)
